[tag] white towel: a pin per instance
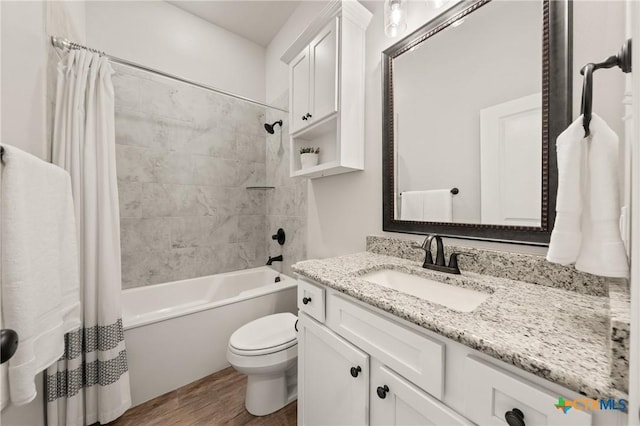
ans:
(427, 206)
(587, 229)
(412, 205)
(40, 277)
(438, 205)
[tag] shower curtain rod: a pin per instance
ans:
(63, 43)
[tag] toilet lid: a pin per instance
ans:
(270, 332)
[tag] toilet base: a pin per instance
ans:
(267, 394)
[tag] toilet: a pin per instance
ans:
(266, 350)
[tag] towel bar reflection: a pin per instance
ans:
(621, 60)
(454, 191)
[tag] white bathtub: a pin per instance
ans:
(178, 332)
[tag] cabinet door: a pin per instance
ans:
(299, 71)
(328, 392)
(395, 401)
(324, 72)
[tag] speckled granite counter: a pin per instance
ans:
(562, 336)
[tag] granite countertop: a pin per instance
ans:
(559, 335)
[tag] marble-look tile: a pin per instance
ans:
(144, 234)
(203, 231)
(132, 164)
(251, 147)
(215, 140)
(250, 174)
(216, 259)
(146, 267)
(214, 171)
(559, 335)
(130, 199)
(251, 201)
(252, 228)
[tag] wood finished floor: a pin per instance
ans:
(217, 399)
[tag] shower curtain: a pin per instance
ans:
(90, 382)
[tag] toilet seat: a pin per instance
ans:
(266, 335)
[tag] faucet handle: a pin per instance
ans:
(453, 259)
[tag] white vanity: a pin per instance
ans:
(362, 364)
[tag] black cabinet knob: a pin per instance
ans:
(306, 300)
(355, 371)
(382, 391)
(514, 417)
(304, 117)
(308, 115)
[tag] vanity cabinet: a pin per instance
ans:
(326, 90)
(360, 365)
(333, 377)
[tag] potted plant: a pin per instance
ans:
(309, 157)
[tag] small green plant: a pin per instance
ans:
(309, 150)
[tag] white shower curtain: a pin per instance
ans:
(90, 383)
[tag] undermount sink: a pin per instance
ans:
(453, 297)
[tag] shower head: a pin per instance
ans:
(269, 127)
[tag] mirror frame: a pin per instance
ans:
(557, 64)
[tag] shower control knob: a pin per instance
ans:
(306, 300)
(382, 391)
(355, 371)
(514, 417)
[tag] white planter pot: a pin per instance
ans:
(308, 160)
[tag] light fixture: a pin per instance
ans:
(395, 17)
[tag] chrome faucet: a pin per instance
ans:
(439, 264)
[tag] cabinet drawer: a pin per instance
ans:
(490, 392)
(405, 351)
(311, 300)
(406, 404)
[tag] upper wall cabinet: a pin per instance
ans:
(326, 90)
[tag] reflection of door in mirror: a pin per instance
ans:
(510, 162)
(441, 87)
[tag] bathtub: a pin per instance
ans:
(177, 332)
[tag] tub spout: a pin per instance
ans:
(274, 259)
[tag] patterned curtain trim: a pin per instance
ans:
(67, 383)
(96, 338)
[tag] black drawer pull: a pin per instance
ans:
(355, 371)
(514, 417)
(306, 300)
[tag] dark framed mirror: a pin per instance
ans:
(473, 102)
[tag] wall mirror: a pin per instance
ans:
(473, 102)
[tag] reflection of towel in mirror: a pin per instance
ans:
(427, 206)
(586, 230)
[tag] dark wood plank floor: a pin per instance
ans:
(217, 399)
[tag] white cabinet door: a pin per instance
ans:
(299, 71)
(324, 72)
(329, 392)
(395, 401)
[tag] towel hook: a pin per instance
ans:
(621, 60)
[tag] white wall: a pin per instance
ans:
(162, 36)
(343, 209)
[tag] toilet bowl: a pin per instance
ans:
(266, 350)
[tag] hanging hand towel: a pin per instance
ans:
(40, 277)
(411, 207)
(438, 205)
(586, 230)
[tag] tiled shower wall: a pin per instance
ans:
(184, 158)
(287, 203)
